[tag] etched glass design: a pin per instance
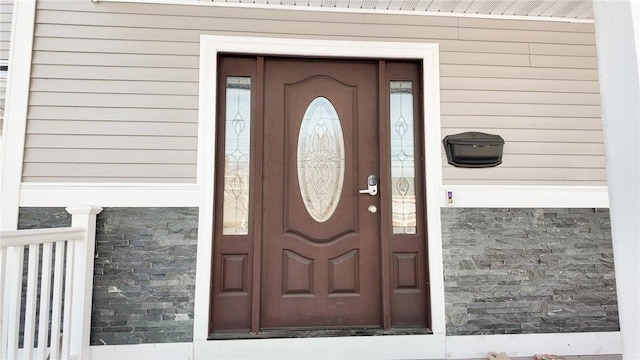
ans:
(235, 213)
(320, 159)
(403, 173)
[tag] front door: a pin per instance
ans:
(318, 196)
(321, 244)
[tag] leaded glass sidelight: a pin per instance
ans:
(235, 213)
(320, 158)
(403, 169)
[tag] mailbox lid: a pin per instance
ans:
(474, 138)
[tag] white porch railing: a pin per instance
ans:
(62, 280)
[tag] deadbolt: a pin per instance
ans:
(372, 186)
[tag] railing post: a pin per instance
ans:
(3, 272)
(84, 217)
(11, 298)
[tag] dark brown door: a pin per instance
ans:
(321, 243)
(301, 239)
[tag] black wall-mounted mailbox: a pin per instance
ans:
(474, 149)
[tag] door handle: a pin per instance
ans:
(372, 186)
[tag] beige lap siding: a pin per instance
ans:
(6, 12)
(115, 88)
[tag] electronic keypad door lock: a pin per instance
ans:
(372, 186)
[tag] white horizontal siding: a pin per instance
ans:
(114, 100)
(533, 36)
(113, 73)
(520, 122)
(520, 97)
(553, 161)
(130, 128)
(115, 114)
(112, 156)
(292, 25)
(561, 149)
(49, 85)
(115, 88)
(525, 25)
(102, 59)
(518, 73)
(118, 46)
(564, 49)
(484, 81)
(518, 109)
(3, 94)
(103, 170)
(81, 142)
(6, 13)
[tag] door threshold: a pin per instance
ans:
(312, 333)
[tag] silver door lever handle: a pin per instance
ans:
(372, 186)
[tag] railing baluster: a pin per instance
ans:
(68, 300)
(56, 316)
(45, 301)
(30, 306)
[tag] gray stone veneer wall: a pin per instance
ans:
(144, 273)
(506, 271)
(43, 218)
(517, 271)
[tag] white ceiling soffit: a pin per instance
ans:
(544, 10)
(563, 10)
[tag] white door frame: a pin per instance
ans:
(363, 347)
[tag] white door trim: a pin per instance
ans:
(210, 47)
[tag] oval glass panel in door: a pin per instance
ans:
(320, 159)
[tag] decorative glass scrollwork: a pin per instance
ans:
(403, 173)
(320, 159)
(237, 150)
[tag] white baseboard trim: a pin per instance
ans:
(164, 195)
(490, 196)
(527, 345)
(354, 347)
(110, 195)
(373, 347)
(171, 351)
